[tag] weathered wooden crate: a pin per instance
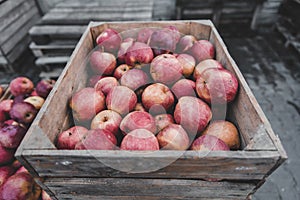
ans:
(78, 174)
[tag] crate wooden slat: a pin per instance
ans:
(75, 174)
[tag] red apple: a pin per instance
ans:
(184, 87)
(5, 107)
(226, 131)
(109, 40)
(192, 114)
(134, 79)
(162, 121)
(166, 69)
(137, 120)
(36, 101)
(144, 34)
(86, 103)
(69, 138)
(128, 42)
(21, 86)
(94, 79)
(102, 63)
(6, 155)
(107, 120)
(44, 87)
(188, 64)
(121, 70)
(105, 84)
(217, 86)
(202, 50)
(174, 32)
(140, 140)
(157, 98)
(11, 136)
(138, 54)
(139, 107)
(98, 139)
(173, 137)
(5, 173)
(121, 99)
(162, 41)
(20, 186)
(21, 170)
(204, 65)
(23, 112)
(209, 143)
(20, 98)
(185, 43)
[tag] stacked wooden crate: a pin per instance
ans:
(16, 18)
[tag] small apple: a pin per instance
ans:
(209, 143)
(140, 140)
(107, 120)
(173, 137)
(109, 40)
(162, 121)
(202, 49)
(185, 43)
(188, 64)
(105, 84)
(134, 79)
(138, 120)
(6, 155)
(69, 138)
(11, 136)
(86, 103)
(121, 70)
(36, 101)
(144, 34)
(23, 112)
(217, 86)
(44, 87)
(166, 69)
(21, 86)
(5, 173)
(98, 139)
(204, 65)
(102, 63)
(128, 42)
(192, 114)
(138, 55)
(184, 87)
(121, 99)
(157, 98)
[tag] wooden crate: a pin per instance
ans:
(70, 174)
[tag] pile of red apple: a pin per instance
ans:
(16, 115)
(153, 90)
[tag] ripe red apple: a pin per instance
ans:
(140, 140)
(162, 41)
(185, 43)
(5, 107)
(20, 186)
(23, 112)
(102, 63)
(94, 79)
(226, 131)
(144, 34)
(6, 155)
(121, 99)
(192, 114)
(157, 98)
(174, 32)
(204, 65)
(134, 79)
(121, 70)
(105, 84)
(202, 49)
(86, 103)
(128, 42)
(21, 85)
(98, 139)
(138, 120)
(5, 173)
(20, 98)
(36, 101)
(69, 138)
(138, 54)
(139, 107)
(184, 87)
(45, 196)
(107, 120)
(217, 86)
(166, 69)
(109, 40)
(44, 87)
(188, 64)
(209, 143)
(162, 121)
(173, 137)
(11, 136)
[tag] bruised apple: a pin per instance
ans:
(11, 135)
(21, 86)
(209, 143)
(162, 121)
(36, 101)
(188, 64)
(69, 138)
(23, 112)
(44, 87)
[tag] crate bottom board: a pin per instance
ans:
(132, 188)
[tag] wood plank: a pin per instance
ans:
(42, 61)
(113, 188)
(89, 3)
(7, 6)
(19, 49)
(55, 30)
(52, 49)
